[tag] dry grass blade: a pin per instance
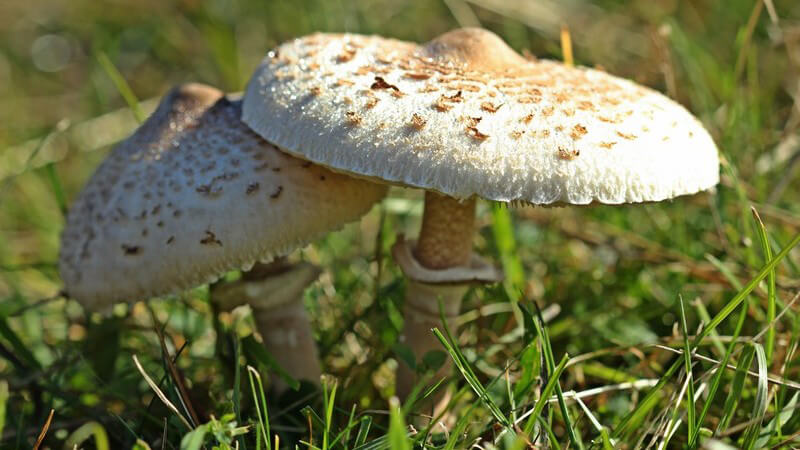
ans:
(566, 46)
(43, 433)
(462, 13)
(176, 376)
(160, 394)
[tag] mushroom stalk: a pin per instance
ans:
(275, 294)
(445, 239)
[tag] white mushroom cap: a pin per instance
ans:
(194, 193)
(467, 116)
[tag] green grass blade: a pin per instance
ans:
(466, 371)
(363, 431)
(398, 435)
(638, 414)
(237, 386)
(20, 349)
(687, 358)
(461, 426)
(503, 233)
(737, 387)
(328, 402)
(725, 271)
(716, 380)
(3, 402)
(122, 85)
(766, 248)
(748, 288)
(544, 338)
(761, 402)
(547, 392)
(260, 402)
(194, 439)
(85, 432)
(650, 401)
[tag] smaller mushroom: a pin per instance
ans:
(192, 194)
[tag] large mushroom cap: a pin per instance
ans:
(192, 194)
(465, 115)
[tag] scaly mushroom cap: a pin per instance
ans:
(465, 115)
(192, 194)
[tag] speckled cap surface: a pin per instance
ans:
(466, 116)
(194, 193)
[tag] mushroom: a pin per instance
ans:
(464, 117)
(194, 193)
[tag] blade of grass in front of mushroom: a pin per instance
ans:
(169, 368)
(260, 403)
(547, 350)
(503, 233)
(463, 366)
(237, 388)
(544, 399)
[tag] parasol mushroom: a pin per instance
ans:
(464, 117)
(192, 194)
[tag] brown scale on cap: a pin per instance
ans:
(380, 83)
(489, 107)
(568, 154)
(417, 122)
(578, 131)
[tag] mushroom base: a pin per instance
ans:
(276, 301)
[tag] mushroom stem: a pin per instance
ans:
(445, 239)
(275, 294)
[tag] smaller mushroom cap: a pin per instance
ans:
(194, 193)
(465, 115)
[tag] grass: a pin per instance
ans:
(671, 325)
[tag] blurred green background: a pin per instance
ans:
(609, 278)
